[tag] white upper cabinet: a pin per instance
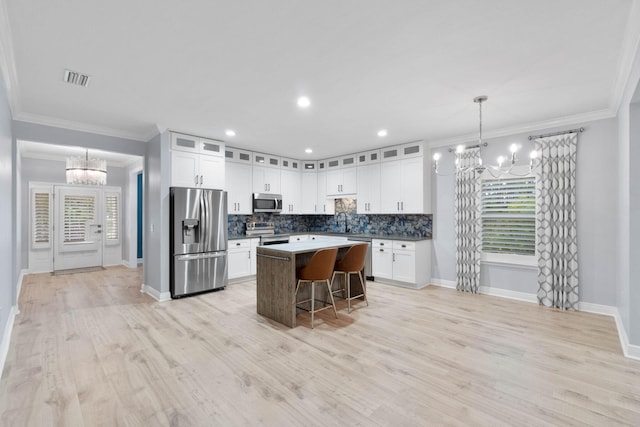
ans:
(238, 156)
(368, 195)
(195, 144)
(266, 173)
(341, 176)
(266, 160)
(197, 162)
(290, 164)
(368, 157)
(405, 183)
(325, 206)
(309, 188)
(238, 178)
(290, 185)
(266, 180)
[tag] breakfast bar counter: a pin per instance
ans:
(276, 276)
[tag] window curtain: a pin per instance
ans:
(556, 233)
(468, 223)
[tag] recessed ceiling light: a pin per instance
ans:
(304, 102)
(308, 150)
(230, 132)
(382, 132)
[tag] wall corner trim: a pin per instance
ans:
(6, 337)
(23, 272)
(153, 293)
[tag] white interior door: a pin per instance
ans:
(78, 227)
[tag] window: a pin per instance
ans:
(40, 218)
(78, 212)
(508, 216)
(112, 217)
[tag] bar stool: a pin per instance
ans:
(318, 269)
(352, 263)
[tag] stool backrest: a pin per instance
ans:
(320, 266)
(354, 259)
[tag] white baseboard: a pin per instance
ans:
(153, 293)
(6, 337)
(630, 351)
(443, 283)
(400, 284)
(506, 293)
(125, 263)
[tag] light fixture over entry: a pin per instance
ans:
(86, 171)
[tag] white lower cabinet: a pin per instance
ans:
(405, 263)
(254, 256)
(242, 258)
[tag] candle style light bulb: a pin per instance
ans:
(500, 161)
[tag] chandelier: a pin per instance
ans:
(83, 170)
(478, 164)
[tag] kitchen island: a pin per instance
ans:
(276, 277)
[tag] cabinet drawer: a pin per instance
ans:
(239, 244)
(402, 245)
(379, 243)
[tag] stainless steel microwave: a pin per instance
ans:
(265, 202)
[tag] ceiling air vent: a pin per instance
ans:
(76, 78)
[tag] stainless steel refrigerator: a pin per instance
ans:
(198, 240)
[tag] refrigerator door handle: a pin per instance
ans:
(193, 257)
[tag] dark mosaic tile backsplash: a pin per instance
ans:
(405, 225)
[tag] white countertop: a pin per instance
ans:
(309, 245)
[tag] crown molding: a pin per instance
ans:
(7, 62)
(82, 127)
(629, 57)
(527, 128)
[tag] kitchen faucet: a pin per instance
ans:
(346, 221)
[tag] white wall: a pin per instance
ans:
(634, 224)
(8, 271)
(596, 202)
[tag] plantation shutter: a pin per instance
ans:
(41, 218)
(508, 216)
(112, 217)
(79, 211)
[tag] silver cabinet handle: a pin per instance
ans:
(398, 207)
(200, 179)
(393, 258)
(315, 208)
(402, 206)
(196, 177)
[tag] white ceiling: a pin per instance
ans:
(43, 151)
(412, 67)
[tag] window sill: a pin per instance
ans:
(524, 261)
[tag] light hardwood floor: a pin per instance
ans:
(90, 349)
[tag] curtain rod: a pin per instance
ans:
(579, 130)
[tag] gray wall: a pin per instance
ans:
(8, 274)
(596, 202)
(634, 225)
(52, 171)
(152, 211)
